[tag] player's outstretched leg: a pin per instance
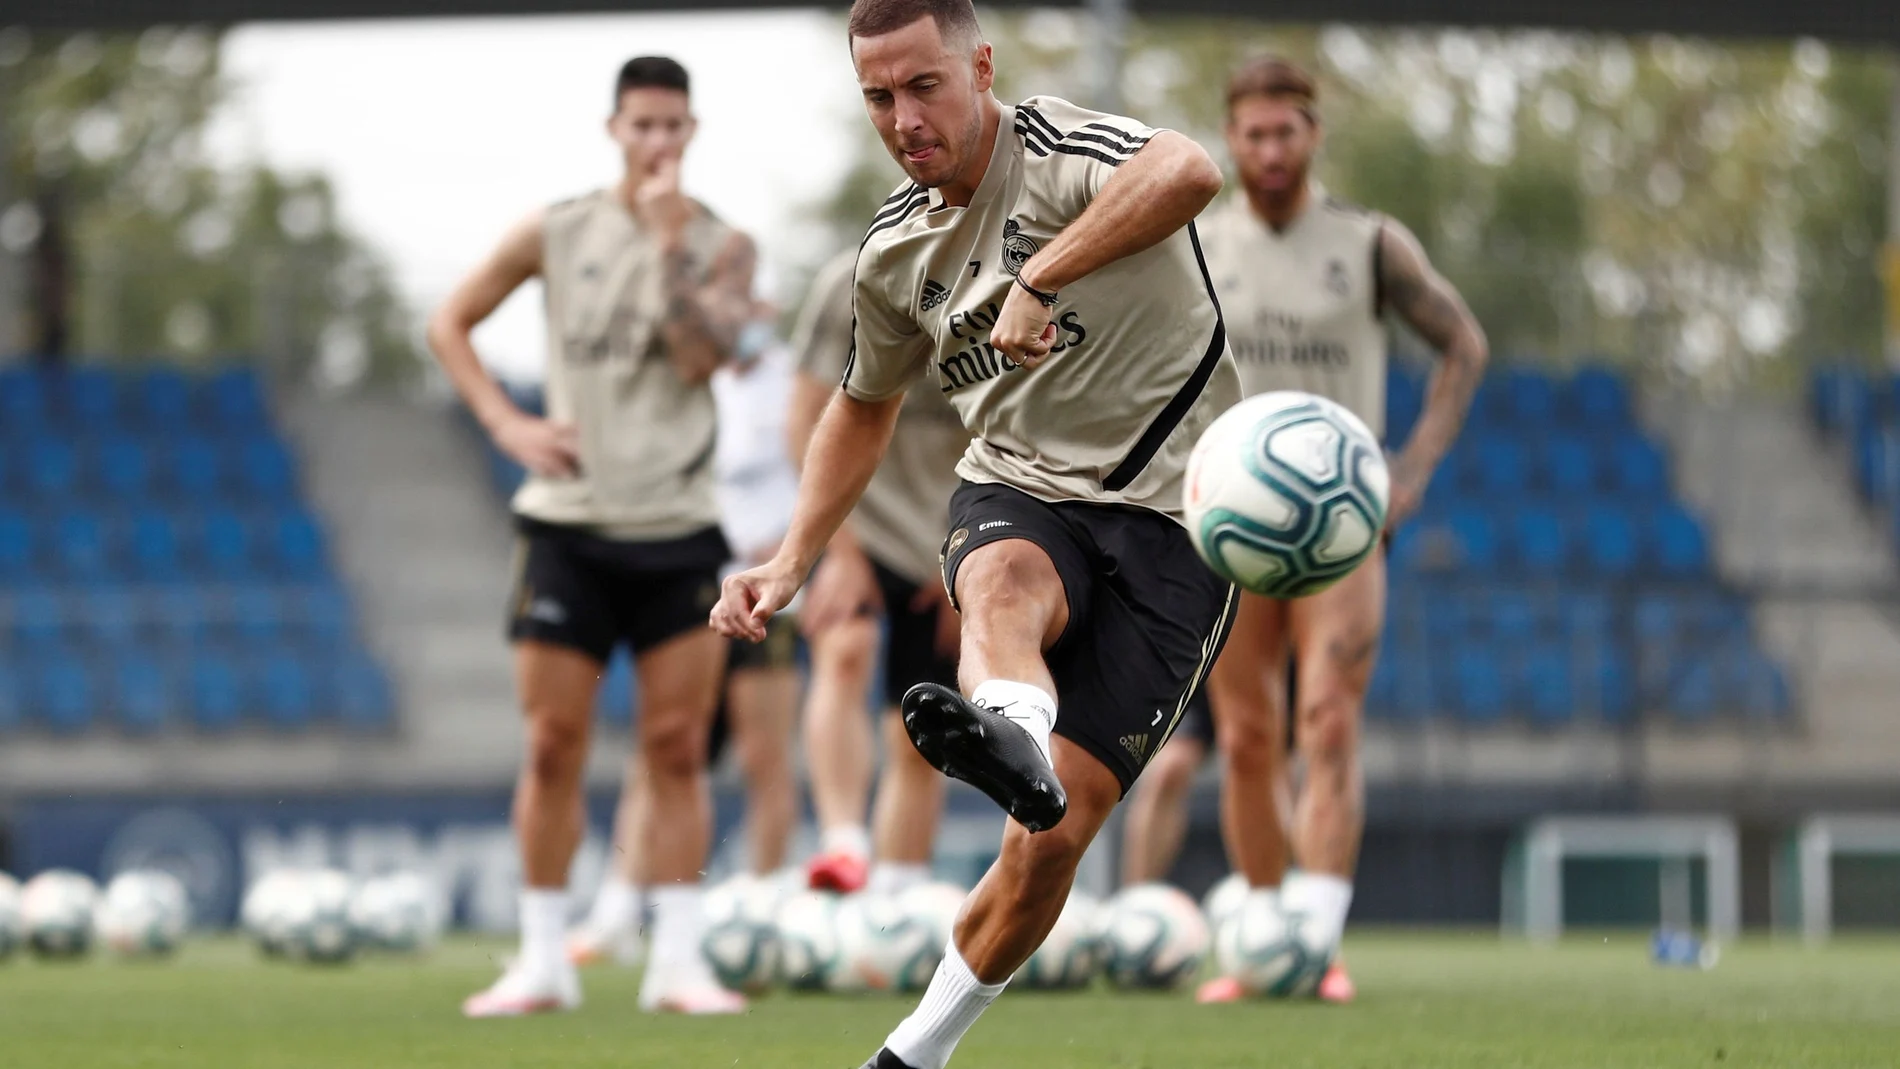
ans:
(557, 688)
(680, 681)
(1006, 918)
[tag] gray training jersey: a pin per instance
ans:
(1140, 365)
(646, 435)
(1302, 304)
(902, 517)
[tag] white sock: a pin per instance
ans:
(1323, 898)
(895, 877)
(852, 839)
(951, 1004)
(1028, 707)
(616, 905)
(679, 923)
(543, 929)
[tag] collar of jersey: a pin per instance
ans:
(1008, 144)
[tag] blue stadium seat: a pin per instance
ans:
(1692, 691)
(1681, 549)
(615, 704)
(319, 615)
(256, 614)
(1586, 616)
(108, 616)
(64, 697)
(142, 693)
(1411, 695)
(1539, 542)
(123, 467)
(1569, 466)
(90, 396)
(235, 399)
(162, 399)
(363, 700)
(1404, 397)
(1597, 398)
(1528, 398)
(1656, 618)
(296, 545)
(1513, 614)
(1502, 468)
(52, 469)
(154, 546)
(286, 690)
(80, 546)
(217, 693)
(180, 614)
(1609, 540)
(1614, 697)
(1548, 692)
(265, 469)
(16, 546)
(1478, 692)
(195, 468)
(1638, 468)
(22, 398)
(225, 544)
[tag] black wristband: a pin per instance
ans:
(1048, 299)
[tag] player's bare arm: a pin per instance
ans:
(845, 450)
(1433, 307)
(542, 446)
(703, 319)
(1157, 192)
(843, 584)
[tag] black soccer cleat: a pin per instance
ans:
(984, 749)
(884, 1059)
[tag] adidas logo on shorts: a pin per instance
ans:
(935, 293)
(1136, 745)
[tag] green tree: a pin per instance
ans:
(172, 254)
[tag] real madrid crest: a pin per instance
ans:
(1017, 247)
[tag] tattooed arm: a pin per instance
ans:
(703, 319)
(1433, 308)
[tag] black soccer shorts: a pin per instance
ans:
(1146, 616)
(576, 589)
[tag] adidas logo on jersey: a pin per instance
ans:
(935, 293)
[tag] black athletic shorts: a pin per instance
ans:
(910, 647)
(1146, 617)
(576, 589)
(778, 650)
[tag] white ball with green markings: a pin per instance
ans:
(1268, 950)
(1153, 936)
(1071, 955)
(143, 914)
(56, 913)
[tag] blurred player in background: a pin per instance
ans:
(756, 487)
(882, 563)
(1041, 270)
(646, 294)
(1305, 281)
(1156, 821)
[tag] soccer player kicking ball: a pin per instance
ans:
(1082, 346)
(620, 541)
(1306, 282)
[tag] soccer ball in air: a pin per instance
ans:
(56, 913)
(808, 939)
(1286, 494)
(317, 918)
(10, 927)
(400, 913)
(1266, 948)
(1071, 955)
(1153, 936)
(882, 946)
(741, 941)
(143, 913)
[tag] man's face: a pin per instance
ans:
(651, 125)
(925, 98)
(1272, 142)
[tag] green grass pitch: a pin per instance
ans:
(1464, 1001)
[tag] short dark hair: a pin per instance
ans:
(650, 72)
(873, 18)
(1276, 79)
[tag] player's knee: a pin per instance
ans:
(848, 650)
(557, 747)
(1009, 581)
(673, 742)
(1253, 745)
(1329, 727)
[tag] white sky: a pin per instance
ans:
(438, 134)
